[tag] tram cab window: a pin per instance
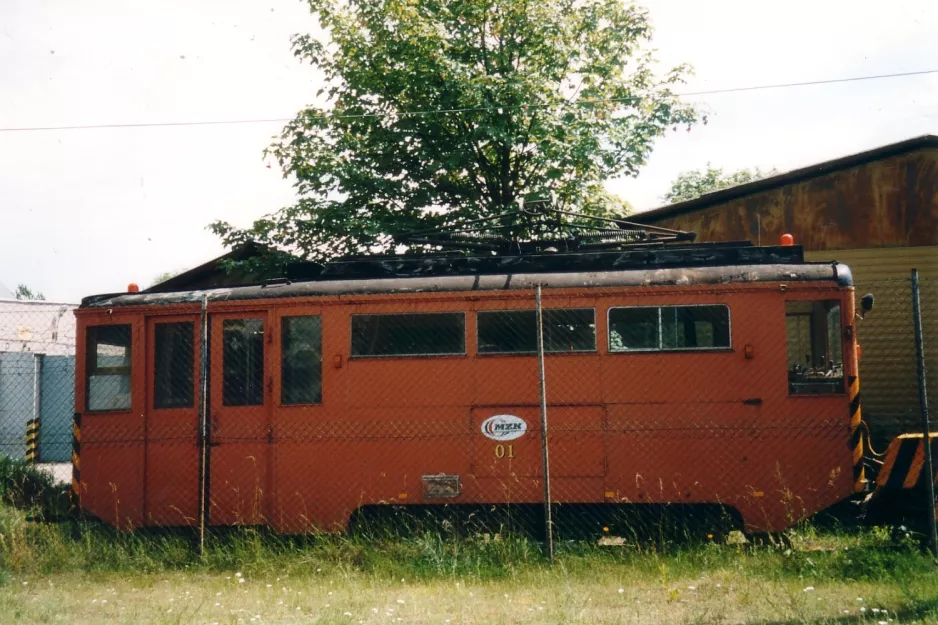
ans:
(815, 348)
(515, 331)
(243, 362)
(108, 368)
(301, 360)
(409, 334)
(173, 370)
(669, 328)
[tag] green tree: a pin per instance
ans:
(25, 293)
(166, 275)
(441, 110)
(694, 183)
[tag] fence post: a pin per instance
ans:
(203, 424)
(548, 521)
(923, 401)
(32, 441)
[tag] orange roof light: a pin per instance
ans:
(787, 240)
(133, 288)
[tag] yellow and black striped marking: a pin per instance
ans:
(904, 466)
(32, 441)
(856, 433)
(76, 458)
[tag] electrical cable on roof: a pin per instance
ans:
(472, 109)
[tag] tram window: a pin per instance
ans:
(415, 334)
(669, 328)
(301, 360)
(108, 367)
(243, 362)
(515, 331)
(695, 327)
(173, 377)
(815, 347)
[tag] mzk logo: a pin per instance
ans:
(504, 427)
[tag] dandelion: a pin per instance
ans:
(605, 529)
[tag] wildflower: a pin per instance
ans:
(863, 609)
(605, 529)
(240, 580)
(875, 610)
(691, 588)
(859, 598)
(238, 574)
(347, 613)
(621, 590)
(809, 589)
(270, 585)
(401, 601)
(217, 605)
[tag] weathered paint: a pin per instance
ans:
(683, 435)
(892, 202)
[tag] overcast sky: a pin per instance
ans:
(88, 211)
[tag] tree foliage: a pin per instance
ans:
(23, 292)
(438, 110)
(694, 183)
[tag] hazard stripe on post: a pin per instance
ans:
(856, 434)
(76, 459)
(904, 465)
(32, 441)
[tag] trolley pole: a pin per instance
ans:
(923, 401)
(203, 424)
(548, 520)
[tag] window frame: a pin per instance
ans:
(243, 316)
(192, 363)
(661, 348)
(465, 337)
(280, 368)
(91, 358)
(479, 351)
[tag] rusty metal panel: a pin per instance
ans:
(441, 486)
(885, 203)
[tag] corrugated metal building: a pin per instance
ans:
(875, 211)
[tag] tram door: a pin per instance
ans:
(240, 399)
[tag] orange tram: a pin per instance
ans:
(413, 380)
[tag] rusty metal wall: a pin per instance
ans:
(885, 203)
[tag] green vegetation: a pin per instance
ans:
(80, 571)
(437, 112)
(696, 182)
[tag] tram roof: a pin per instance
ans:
(698, 264)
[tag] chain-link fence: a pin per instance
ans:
(37, 383)
(594, 412)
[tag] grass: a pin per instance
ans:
(82, 572)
